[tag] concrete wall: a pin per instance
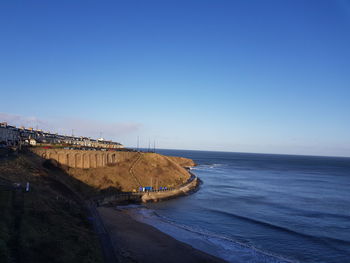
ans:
(183, 190)
(83, 159)
(145, 197)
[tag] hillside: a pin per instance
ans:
(139, 169)
(47, 224)
(183, 162)
(50, 223)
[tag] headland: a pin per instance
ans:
(121, 176)
(60, 205)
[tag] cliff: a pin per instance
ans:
(184, 162)
(50, 222)
(128, 174)
(119, 171)
(47, 224)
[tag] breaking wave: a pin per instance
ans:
(211, 243)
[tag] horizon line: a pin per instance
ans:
(262, 153)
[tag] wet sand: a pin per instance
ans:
(134, 241)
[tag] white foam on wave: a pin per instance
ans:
(207, 166)
(211, 243)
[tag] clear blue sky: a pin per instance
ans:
(250, 76)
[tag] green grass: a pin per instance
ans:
(44, 225)
(58, 236)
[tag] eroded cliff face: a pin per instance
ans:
(120, 171)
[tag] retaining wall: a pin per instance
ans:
(83, 158)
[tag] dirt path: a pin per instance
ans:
(131, 171)
(105, 240)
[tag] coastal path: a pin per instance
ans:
(138, 197)
(131, 170)
(104, 236)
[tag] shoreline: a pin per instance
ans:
(190, 187)
(136, 241)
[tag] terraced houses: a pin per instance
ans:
(11, 136)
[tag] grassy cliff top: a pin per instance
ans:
(139, 169)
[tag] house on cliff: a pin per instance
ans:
(12, 136)
(9, 135)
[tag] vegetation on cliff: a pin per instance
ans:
(128, 174)
(50, 222)
(46, 224)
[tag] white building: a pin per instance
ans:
(32, 142)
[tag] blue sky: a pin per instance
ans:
(249, 76)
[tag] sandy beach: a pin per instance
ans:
(134, 241)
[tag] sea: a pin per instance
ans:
(261, 208)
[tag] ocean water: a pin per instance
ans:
(261, 208)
